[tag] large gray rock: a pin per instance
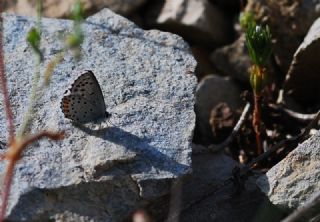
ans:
(211, 91)
(296, 178)
(197, 21)
(100, 173)
(233, 60)
(302, 80)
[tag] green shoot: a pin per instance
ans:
(258, 41)
(33, 38)
(74, 40)
(246, 19)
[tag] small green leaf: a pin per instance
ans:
(33, 38)
(74, 40)
(258, 41)
(246, 19)
(77, 13)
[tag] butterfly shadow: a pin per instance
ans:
(148, 156)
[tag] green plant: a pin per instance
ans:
(258, 41)
(246, 19)
(18, 143)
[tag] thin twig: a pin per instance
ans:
(287, 142)
(36, 78)
(4, 86)
(256, 122)
(51, 66)
(301, 117)
(211, 189)
(305, 212)
(32, 99)
(14, 152)
(6, 188)
(40, 135)
(217, 147)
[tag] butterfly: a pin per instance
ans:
(83, 102)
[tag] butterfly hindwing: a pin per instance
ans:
(81, 110)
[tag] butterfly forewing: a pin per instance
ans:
(87, 86)
(84, 101)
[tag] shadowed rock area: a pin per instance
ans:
(101, 172)
(304, 69)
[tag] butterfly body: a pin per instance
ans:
(84, 101)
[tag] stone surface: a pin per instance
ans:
(198, 21)
(204, 65)
(216, 199)
(61, 9)
(233, 60)
(101, 172)
(211, 91)
(296, 178)
(296, 17)
(302, 80)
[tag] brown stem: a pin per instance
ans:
(17, 147)
(300, 117)
(6, 188)
(256, 122)
(42, 134)
(4, 87)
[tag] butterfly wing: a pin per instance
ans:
(84, 101)
(87, 86)
(79, 109)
